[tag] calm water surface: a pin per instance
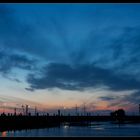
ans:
(97, 129)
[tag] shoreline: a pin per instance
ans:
(37, 122)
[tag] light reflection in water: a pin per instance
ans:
(4, 134)
(65, 126)
(65, 130)
(7, 133)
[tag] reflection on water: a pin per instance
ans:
(4, 134)
(7, 134)
(104, 129)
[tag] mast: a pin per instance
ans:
(26, 110)
(84, 109)
(76, 110)
(35, 111)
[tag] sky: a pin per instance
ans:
(57, 56)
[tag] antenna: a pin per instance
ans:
(35, 110)
(26, 110)
(84, 109)
(76, 109)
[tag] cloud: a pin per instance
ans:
(80, 77)
(14, 60)
(103, 56)
(36, 37)
(40, 36)
(106, 98)
(128, 101)
(12, 102)
(133, 98)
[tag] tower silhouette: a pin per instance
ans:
(26, 109)
(76, 110)
(35, 110)
(84, 108)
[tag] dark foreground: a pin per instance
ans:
(30, 122)
(96, 129)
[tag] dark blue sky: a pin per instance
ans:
(82, 48)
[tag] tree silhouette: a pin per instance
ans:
(118, 115)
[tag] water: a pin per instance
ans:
(97, 129)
